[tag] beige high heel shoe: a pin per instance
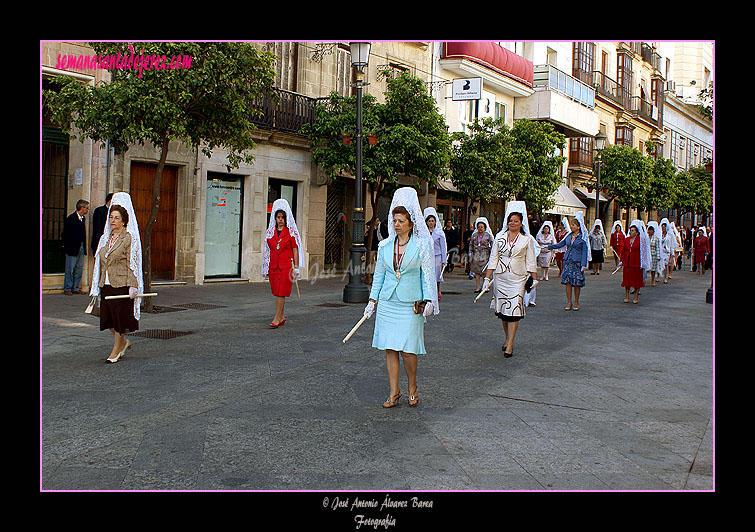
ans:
(392, 400)
(413, 398)
(118, 357)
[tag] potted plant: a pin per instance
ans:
(708, 164)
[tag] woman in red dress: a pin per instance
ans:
(617, 241)
(700, 249)
(560, 233)
(281, 257)
(631, 258)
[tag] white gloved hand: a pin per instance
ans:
(485, 284)
(132, 291)
(428, 309)
(534, 284)
(369, 309)
(297, 274)
(584, 268)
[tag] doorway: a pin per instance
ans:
(222, 240)
(163, 240)
(277, 189)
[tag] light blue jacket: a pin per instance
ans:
(412, 285)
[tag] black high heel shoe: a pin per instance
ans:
(505, 354)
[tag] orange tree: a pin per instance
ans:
(204, 103)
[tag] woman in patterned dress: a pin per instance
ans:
(576, 257)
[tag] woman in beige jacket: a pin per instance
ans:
(117, 271)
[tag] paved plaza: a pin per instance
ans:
(613, 397)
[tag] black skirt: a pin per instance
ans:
(117, 314)
(508, 318)
(597, 255)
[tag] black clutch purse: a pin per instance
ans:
(528, 284)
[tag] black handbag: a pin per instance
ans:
(528, 284)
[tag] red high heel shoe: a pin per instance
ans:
(282, 322)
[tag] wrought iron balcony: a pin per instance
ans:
(610, 89)
(644, 109)
(284, 110)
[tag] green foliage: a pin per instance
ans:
(627, 174)
(641, 182)
(481, 165)
(662, 186)
(206, 104)
(694, 191)
(495, 161)
(534, 146)
(413, 139)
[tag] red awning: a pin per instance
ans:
(493, 56)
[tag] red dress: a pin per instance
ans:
(630, 258)
(282, 248)
(560, 235)
(617, 242)
(701, 248)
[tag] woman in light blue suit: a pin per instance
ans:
(403, 292)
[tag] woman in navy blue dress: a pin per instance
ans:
(576, 258)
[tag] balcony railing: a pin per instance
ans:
(644, 109)
(284, 110)
(649, 55)
(610, 89)
(549, 77)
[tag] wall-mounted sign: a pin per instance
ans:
(467, 89)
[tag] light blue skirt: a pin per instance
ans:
(397, 327)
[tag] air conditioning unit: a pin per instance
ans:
(671, 86)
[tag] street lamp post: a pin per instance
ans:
(600, 144)
(356, 291)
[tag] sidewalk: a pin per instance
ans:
(613, 397)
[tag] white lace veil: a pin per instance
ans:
(621, 229)
(548, 224)
(281, 205)
(487, 226)
(583, 234)
(407, 197)
(599, 223)
(124, 200)
(521, 208)
(430, 211)
(662, 256)
(677, 236)
(644, 243)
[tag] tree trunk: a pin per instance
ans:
(147, 251)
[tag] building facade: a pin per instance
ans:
(212, 223)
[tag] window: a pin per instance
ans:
(500, 111)
(467, 113)
(580, 151)
(675, 148)
(583, 61)
(623, 136)
(624, 76)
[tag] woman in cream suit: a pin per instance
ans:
(513, 259)
(403, 292)
(118, 271)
